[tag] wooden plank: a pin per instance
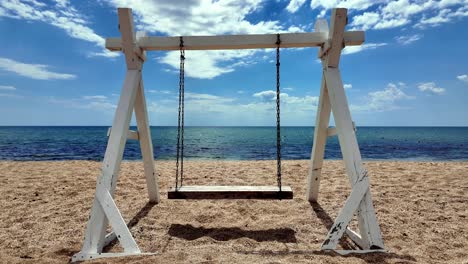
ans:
(331, 131)
(96, 228)
(231, 192)
(318, 147)
(82, 257)
(368, 225)
(116, 221)
(338, 22)
(364, 251)
(346, 214)
(146, 145)
(321, 25)
(131, 134)
(223, 42)
(355, 237)
(128, 40)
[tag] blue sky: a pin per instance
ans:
(411, 71)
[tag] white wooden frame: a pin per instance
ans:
(332, 99)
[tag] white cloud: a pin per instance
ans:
(392, 14)
(348, 86)
(7, 88)
(367, 46)
(288, 89)
(10, 95)
(294, 5)
(62, 15)
(266, 95)
(34, 71)
(351, 4)
(366, 20)
(241, 92)
(195, 17)
(209, 64)
(202, 98)
(431, 87)
(95, 97)
(230, 111)
(408, 39)
(463, 78)
(446, 15)
(95, 102)
(304, 102)
(159, 91)
(383, 100)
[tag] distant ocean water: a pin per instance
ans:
(234, 143)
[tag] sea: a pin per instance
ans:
(234, 143)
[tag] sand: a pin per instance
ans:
(422, 208)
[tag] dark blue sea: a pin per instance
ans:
(234, 143)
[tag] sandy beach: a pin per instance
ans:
(422, 208)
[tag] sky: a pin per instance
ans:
(412, 69)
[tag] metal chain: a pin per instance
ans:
(180, 121)
(278, 126)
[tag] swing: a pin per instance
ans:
(181, 191)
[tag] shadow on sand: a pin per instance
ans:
(189, 232)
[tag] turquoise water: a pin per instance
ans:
(234, 143)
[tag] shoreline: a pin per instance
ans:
(242, 160)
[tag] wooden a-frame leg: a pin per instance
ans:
(318, 148)
(368, 225)
(97, 223)
(146, 145)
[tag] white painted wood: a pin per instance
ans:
(331, 131)
(140, 52)
(131, 134)
(355, 237)
(321, 25)
(364, 251)
(116, 221)
(109, 238)
(96, 228)
(146, 144)
(318, 147)
(288, 40)
(337, 25)
(228, 188)
(230, 192)
(368, 225)
(346, 214)
(82, 257)
(128, 40)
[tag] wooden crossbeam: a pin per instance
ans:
(131, 134)
(288, 40)
(230, 192)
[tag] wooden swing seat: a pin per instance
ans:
(199, 192)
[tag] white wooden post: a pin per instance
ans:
(360, 200)
(320, 131)
(104, 209)
(146, 145)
